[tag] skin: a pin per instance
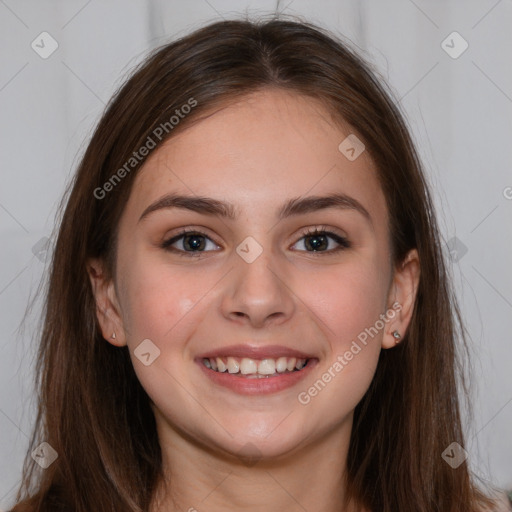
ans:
(262, 150)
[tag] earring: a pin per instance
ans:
(113, 337)
(397, 336)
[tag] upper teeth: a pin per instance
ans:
(248, 366)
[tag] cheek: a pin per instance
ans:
(348, 304)
(159, 311)
(156, 300)
(347, 301)
(162, 307)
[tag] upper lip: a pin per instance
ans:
(256, 352)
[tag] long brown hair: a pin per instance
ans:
(92, 409)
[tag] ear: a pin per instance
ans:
(402, 297)
(107, 305)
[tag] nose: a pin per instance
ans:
(257, 293)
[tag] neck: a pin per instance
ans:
(197, 478)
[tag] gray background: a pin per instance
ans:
(459, 110)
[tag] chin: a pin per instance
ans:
(252, 446)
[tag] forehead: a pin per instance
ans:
(256, 152)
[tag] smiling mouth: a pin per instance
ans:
(255, 368)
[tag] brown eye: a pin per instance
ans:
(322, 241)
(189, 242)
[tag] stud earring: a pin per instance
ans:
(113, 337)
(397, 336)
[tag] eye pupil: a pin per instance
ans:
(316, 242)
(197, 241)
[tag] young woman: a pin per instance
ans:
(248, 307)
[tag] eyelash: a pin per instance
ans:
(342, 241)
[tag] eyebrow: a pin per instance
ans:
(294, 206)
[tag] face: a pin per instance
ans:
(281, 276)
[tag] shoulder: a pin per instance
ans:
(503, 503)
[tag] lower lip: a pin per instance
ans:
(247, 386)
